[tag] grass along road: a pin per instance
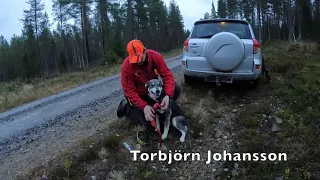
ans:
(282, 116)
(103, 155)
(17, 93)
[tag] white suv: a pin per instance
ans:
(222, 51)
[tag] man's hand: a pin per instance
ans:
(149, 113)
(165, 102)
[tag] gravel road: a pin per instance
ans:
(36, 132)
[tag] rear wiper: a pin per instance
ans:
(205, 36)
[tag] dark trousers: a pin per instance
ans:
(265, 72)
(137, 115)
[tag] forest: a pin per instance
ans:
(86, 33)
(291, 20)
(89, 33)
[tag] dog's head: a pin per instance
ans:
(155, 89)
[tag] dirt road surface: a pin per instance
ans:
(34, 133)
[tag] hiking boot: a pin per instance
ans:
(122, 109)
(142, 137)
(147, 136)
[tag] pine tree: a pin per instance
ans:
(175, 24)
(232, 8)
(44, 41)
(33, 16)
(141, 20)
(44, 50)
(222, 9)
(213, 11)
(4, 58)
(117, 30)
(103, 26)
(245, 6)
(129, 22)
(32, 66)
(206, 16)
(16, 53)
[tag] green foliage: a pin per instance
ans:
(111, 141)
(232, 8)
(106, 26)
(44, 51)
(206, 16)
(222, 9)
(296, 86)
(145, 172)
(111, 57)
(175, 19)
(213, 13)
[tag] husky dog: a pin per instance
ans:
(172, 114)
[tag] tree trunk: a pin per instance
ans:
(74, 55)
(79, 50)
(269, 34)
(83, 34)
(46, 64)
(4, 76)
(293, 24)
(290, 20)
(264, 25)
(253, 18)
(274, 21)
(103, 27)
(259, 18)
(317, 9)
(85, 31)
(61, 20)
(129, 20)
(37, 39)
(300, 22)
(57, 65)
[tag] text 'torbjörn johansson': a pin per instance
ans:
(177, 155)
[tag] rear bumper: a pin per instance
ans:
(202, 69)
(236, 76)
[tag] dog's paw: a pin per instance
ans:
(164, 136)
(183, 136)
(182, 139)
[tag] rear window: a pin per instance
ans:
(210, 28)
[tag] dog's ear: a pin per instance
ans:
(161, 82)
(146, 85)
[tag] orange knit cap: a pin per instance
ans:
(135, 50)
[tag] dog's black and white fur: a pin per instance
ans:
(157, 93)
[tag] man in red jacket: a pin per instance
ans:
(137, 69)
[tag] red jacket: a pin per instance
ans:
(134, 77)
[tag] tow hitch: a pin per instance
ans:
(217, 82)
(219, 79)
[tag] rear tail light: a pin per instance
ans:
(256, 46)
(257, 67)
(183, 63)
(186, 44)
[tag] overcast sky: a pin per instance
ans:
(11, 11)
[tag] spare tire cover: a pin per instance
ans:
(225, 51)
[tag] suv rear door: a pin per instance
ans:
(204, 30)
